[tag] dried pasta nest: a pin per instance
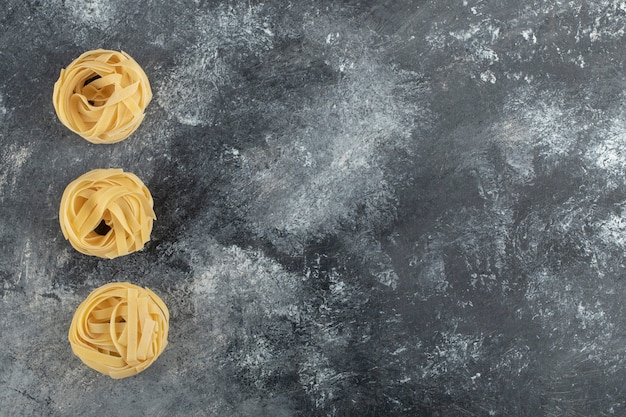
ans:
(107, 213)
(102, 96)
(119, 329)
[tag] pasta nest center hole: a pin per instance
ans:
(102, 229)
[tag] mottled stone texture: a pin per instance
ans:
(364, 208)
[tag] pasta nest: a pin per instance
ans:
(119, 329)
(107, 213)
(102, 96)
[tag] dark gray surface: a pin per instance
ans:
(380, 208)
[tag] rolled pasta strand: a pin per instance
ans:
(119, 329)
(107, 213)
(102, 96)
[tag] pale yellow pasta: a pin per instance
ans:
(102, 96)
(107, 213)
(120, 329)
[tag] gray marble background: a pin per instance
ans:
(365, 208)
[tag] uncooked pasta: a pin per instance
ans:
(102, 96)
(119, 329)
(107, 213)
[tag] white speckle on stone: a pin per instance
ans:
(488, 76)
(590, 317)
(3, 110)
(495, 33)
(398, 351)
(529, 35)
(489, 55)
(332, 37)
(466, 35)
(580, 61)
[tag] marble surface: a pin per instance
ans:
(365, 208)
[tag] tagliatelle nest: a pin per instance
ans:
(107, 213)
(102, 96)
(120, 329)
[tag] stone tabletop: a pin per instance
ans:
(364, 208)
